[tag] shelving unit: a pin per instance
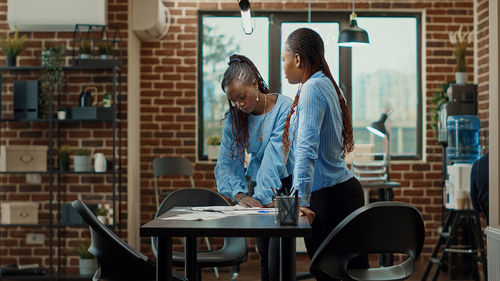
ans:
(54, 175)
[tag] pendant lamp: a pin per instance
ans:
(246, 17)
(353, 35)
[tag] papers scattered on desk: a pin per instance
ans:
(217, 212)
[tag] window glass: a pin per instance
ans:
(329, 32)
(384, 77)
(222, 37)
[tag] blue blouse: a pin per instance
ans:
(318, 139)
(266, 166)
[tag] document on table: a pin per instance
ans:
(217, 212)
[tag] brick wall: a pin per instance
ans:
(97, 136)
(169, 96)
(482, 28)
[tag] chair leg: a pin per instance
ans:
(209, 247)
(235, 272)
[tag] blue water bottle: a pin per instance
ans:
(463, 138)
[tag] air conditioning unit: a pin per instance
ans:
(55, 15)
(150, 19)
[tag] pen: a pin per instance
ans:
(272, 189)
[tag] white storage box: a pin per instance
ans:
(19, 213)
(23, 158)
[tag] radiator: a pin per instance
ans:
(493, 250)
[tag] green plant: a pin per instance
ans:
(460, 40)
(63, 153)
(12, 46)
(85, 46)
(101, 212)
(82, 151)
(51, 76)
(439, 98)
(213, 140)
(105, 47)
(82, 249)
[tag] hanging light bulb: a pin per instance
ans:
(246, 17)
(353, 35)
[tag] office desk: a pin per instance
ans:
(233, 226)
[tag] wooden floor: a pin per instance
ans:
(249, 271)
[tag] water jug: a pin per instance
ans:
(463, 138)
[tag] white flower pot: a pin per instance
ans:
(461, 78)
(102, 219)
(61, 115)
(213, 151)
(87, 266)
(82, 163)
(84, 56)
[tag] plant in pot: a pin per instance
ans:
(109, 163)
(12, 46)
(51, 77)
(61, 112)
(213, 145)
(460, 40)
(105, 49)
(85, 48)
(102, 214)
(87, 259)
(82, 160)
(63, 154)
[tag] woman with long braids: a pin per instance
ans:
(254, 123)
(320, 131)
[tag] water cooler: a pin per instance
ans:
(462, 131)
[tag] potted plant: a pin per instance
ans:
(61, 112)
(460, 40)
(82, 160)
(63, 158)
(51, 77)
(213, 145)
(87, 261)
(105, 49)
(12, 46)
(85, 47)
(101, 214)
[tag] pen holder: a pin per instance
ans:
(287, 209)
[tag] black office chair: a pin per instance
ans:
(380, 227)
(117, 260)
(234, 251)
(170, 166)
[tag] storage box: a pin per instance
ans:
(92, 113)
(19, 213)
(23, 158)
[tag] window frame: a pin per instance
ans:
(345, 71)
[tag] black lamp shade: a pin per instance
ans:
(353, 35)
(378, 127)
(244, 5)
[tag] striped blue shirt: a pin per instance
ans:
(318, 139)
(266, 167)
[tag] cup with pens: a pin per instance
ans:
(287, 208)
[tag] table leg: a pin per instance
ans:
(190, 259)
(287, 259)
(164, 260)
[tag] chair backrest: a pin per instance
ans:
(116, 259)
(380, 227)
(195, 197)
(172, 166)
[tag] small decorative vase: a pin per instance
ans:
(461, 78)
(61, 114)
(11, 61)
(87, 266)
(213, 151)
(99, 163)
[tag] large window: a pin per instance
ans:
(382, 76)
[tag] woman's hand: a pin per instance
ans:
(304, 211)
(270, 205)
(247, 201)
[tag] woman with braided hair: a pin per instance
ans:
(253, 123)
(320, 131)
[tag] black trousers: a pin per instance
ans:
(269, 247)
(331, 205)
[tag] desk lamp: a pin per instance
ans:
(378, 128)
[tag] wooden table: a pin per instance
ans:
(232, 226)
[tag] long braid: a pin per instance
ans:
(310, 47)
(241, 69)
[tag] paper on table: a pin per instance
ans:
(217, 212)
(198, 216)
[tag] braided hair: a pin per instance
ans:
(309, 46)
(241, 69)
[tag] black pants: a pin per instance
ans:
(269, 247)
(332, 205)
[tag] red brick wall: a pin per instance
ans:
(169, 96)
(94, 135)
(482, 39)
